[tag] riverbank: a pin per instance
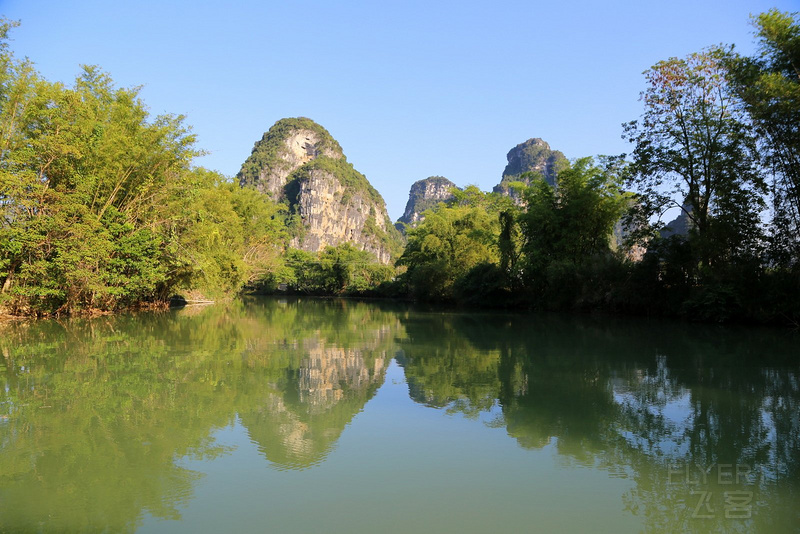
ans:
(516, 307)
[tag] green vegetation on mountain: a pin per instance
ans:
(423, 203)
(353, 181)
(527, 160)
(387, 238)
(424, 195)
(267, 152)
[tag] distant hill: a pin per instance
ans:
(425, 194)
(532, 156)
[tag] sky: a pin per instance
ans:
(410, 89)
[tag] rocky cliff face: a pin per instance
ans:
(288, 145)
(680, 225)
(337, 205)
(297, 162)
(534, 156)
(425, 194)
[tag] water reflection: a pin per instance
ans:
(304, 411)
(326, 360)
(704, 420)
(96, 415)
(443, 368)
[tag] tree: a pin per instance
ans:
(574, 220)
(769, 87)
(343, 269)
(216, 235)
(567, 228)
(450, 241)
(100, 207)
(693, 149)
(80, 171)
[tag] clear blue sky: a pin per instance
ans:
(410, 89)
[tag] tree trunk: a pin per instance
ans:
(9, 277)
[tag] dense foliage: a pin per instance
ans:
(100, 206)
(694, 143)
(483, 248)
(768, 86)
(450, 242)
(339, 270)
(720, 128)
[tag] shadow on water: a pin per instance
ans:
(96, 414)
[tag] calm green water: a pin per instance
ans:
(333, 416)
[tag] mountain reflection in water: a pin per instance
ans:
(96, 415)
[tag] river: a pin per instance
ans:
(293, 415)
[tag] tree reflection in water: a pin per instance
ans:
(95, 415)
(681, 409)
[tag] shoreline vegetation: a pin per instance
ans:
(102, 208)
